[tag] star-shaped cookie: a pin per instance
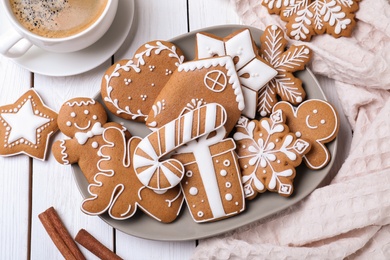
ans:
(26, 125)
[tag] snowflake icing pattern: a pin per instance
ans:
(268, 154)
(310, 17)
(285, 62)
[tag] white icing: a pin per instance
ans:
(85, 102)
(208, 46)
(223, 173)
(95, 145)
(83, 137)
(24, 123)
(83, 128)
(228, 197)
(212, 78)
(241, 46)
(193, 191)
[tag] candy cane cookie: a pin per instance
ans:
(162, 175)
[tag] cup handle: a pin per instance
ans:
(13, 45)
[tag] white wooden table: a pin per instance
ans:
(28, 186)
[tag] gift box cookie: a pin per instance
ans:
(212, 181)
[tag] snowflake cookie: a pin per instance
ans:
(268, 154)
(285, 62)
(306, 18)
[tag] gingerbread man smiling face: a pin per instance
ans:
(315, 121)
(83, 120)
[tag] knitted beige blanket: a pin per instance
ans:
(349, 218)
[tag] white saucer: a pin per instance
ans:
(66, 64)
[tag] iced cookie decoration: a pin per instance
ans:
(268, 154)
(306, 18)
(116, 188)
(83, 121)
(26, 126)
(159, 174)
(196, 83)
(212, 180)
(315, 121)
(253, 72)
(285, 62)
(129, 87)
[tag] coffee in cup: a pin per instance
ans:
(57, 19)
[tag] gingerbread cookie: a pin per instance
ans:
(116, 188)
(26, 126)
(285, 62)
(253, 72)
(268, 154)
(315, 121)
(83, 120)
(160, 174)
(129, 87)
(307, 18)
(196, 83)
(212, 181)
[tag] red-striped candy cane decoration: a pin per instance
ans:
(162, 175)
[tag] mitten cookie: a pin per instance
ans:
(253, 72)
(197, 83)
(268, 154)
(26, 126)
(285, 62)
(116, 188)
(212, 181)
(306, 18)
(83, 120)
(129, 87)
(315, 121)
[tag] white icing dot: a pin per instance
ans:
(315, 111)
(299, 99)
(226, 162)
(95, 145)
(223, 173)
(228, 185)
(323, 121)
(21, 140)
(228, 197)
(8, 128)
(274, 27)
(86, 112)
(193, 191)
(189, 174)
(298, 134)
(200, 214)
(264, 171)
(236, 203)
(73, 114)
(278, 161)
(244, 146)
(68, 123)
(306, 51)
(94, 117)
(245, 166)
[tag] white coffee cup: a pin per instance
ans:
(18, 40)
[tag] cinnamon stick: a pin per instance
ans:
(85, 239)
(60, 235)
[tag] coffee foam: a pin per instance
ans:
(57, 19)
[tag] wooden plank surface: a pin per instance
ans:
(28, 187)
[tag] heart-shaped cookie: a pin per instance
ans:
(129, 87)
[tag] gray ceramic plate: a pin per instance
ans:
(184, 228)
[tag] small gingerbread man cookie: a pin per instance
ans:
(315, 121)
(83, 120)
(268, 154)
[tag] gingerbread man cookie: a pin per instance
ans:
(306, 18)
(129, 87)
(268, 154)
(285, 62)
(83, 120)
(26, 126)
(315, 121)
(116, 188)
